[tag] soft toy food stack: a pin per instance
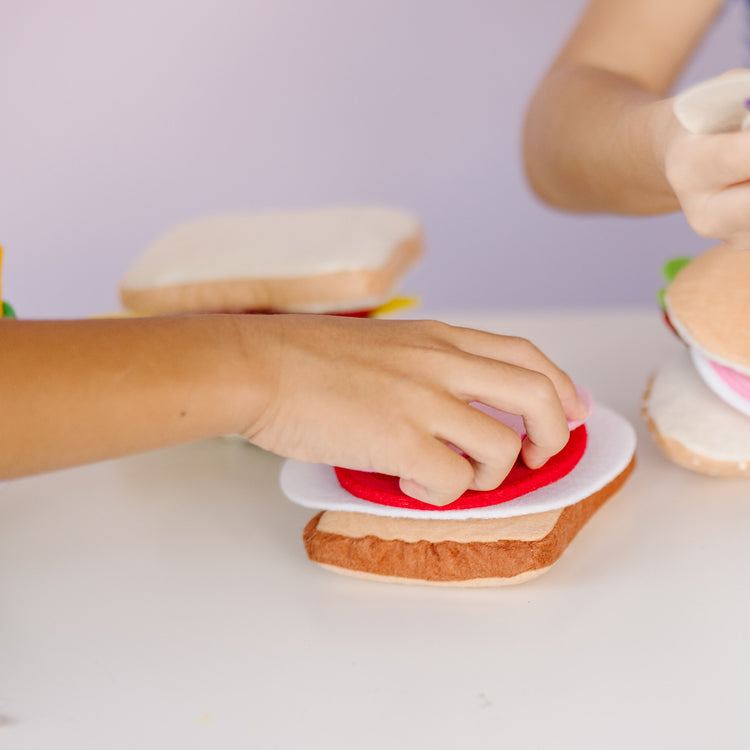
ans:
(698, 405)
(366, 527)
(344, 260)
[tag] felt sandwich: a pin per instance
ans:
(345, 260)
(367, 528)
(698, 405)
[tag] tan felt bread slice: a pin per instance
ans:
(523, 528)
(516, 553)
(709, 302)
(324, 260)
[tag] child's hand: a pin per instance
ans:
(391, 395)
(710, 175)
(710, 172)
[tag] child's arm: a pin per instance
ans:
(599, 134)
(386, 395)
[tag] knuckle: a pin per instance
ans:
(504, 448)
(541, 390)
(434, 328)
(487, 480)
(522, 344)
(460, 478)
(507, 444)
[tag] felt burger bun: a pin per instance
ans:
(327, 260)
(698, 405)
(365, 527)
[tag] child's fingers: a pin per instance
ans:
(710, 161)
(433, 472)
(726, 215)
(517, 390)
(491, 446)
(518, 351)
(436, 474)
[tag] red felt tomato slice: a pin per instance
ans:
(384, 490)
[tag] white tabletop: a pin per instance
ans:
(165, 601)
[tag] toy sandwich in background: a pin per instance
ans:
(345, 260)
(367, 528)
(698, 405)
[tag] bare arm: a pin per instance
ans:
(386, 395)
(598, 128)
(79, 391)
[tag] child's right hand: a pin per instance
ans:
(391, 395)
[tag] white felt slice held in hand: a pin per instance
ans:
(715, 106)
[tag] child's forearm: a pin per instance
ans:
(385, 395)
(595, 141)
(598, 128)
(79, 391)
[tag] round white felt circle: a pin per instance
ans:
(610, 447)
(713, 380)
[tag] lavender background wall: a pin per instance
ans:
(118, 120)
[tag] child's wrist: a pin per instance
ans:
(663, 128)
(256, 355)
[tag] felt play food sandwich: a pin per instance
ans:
(698, 405)
(366, 527)
(345, 260)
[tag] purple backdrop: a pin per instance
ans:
(119, 120)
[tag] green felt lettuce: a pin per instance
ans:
(669, 271)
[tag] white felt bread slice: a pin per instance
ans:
(320, 260)
(692, 425)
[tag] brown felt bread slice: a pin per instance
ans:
(320, 260)
(480, 552)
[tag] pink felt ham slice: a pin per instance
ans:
(729, 385)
